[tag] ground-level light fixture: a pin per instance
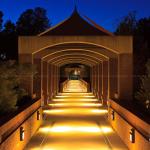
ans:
(22, 134)
(132, 135)
(38, 115)
(113, 115)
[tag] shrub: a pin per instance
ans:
(8, 81)
(11, 94)
(143, 95)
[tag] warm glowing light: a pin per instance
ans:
(76, 105)
(75, 86)
(99, 111)
(52, 111)
(42, 149)
(75, 111)
(106, 129)
(73, 123)
(72, 95)
(45, 129)
(71, 127)
(22, 134)
(75, 99)
(74, 129)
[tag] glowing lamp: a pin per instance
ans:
(112, 115)
(22, 134)
(132, 135)
(38, 115)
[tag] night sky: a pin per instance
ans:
(104, 12)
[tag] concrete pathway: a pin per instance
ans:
(75, 121)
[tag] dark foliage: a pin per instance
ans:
(11, 92)
(127, 25)
(1, 20)
(9, 28)
(24, 101)
(140, 30)
(32, 22)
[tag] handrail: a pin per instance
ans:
(86, 84)
(64, 85)
(143, 133)
(8, 127)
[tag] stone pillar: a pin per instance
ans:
(113, 78)
(125, 68)
(105, 81)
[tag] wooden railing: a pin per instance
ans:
(124, 121)
(64, 85)
(10, 131)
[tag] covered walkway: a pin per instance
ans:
(75, 121)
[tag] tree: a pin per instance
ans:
(127, 25)
(143, 95)
(8, 80)
(11, 92)
(139, 29)
(1, 20)
(9, 28)
(32, 22)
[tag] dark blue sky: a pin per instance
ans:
(104, 12)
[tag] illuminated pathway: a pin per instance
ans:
(75, 121)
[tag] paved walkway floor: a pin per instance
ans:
(75, 121)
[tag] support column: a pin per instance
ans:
(50, 81)
(37, 79)
(27, 81)
(125, 68)
(105, 81)
(96, 80)
(100, 80)
(113, 78)
(44, 82)
(55, 80)
(92, 79)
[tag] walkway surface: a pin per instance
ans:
(75, 121)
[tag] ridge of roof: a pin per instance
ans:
(98, 26)
(84, 19)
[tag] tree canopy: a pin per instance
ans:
(9, 28)
(127, 25)
(32, 22)
(1, 20)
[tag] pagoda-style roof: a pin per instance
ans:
(76, 25)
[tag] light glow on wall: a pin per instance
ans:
(22, 134)
(38, 115)
(132, 135)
